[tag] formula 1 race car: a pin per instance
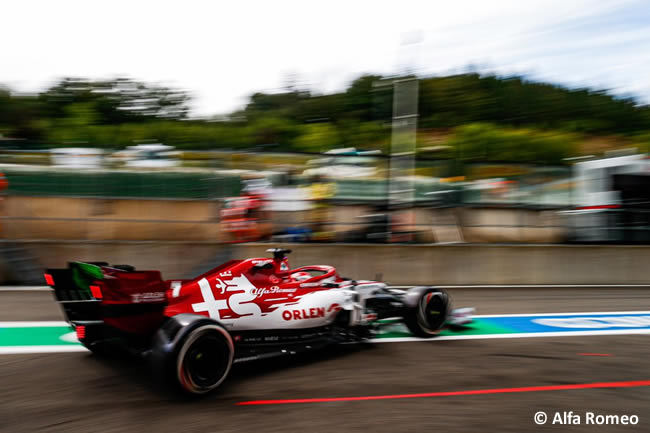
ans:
(193, 330)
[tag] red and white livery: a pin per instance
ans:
(193, 330)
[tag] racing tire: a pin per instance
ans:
(427, 317)
(198, 359)
(204, 359)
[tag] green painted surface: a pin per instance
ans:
(51, 335)
(477, 327)
(35, 336)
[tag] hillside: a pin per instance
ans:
(467, 116)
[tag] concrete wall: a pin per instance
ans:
(511, 225)
(69, 218)
(99, 219)
(399, 264)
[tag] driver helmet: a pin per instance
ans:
(300, 276)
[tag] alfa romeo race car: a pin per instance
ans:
(193, 330)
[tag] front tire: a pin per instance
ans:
(429, 314)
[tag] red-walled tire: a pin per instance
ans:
(193, 356)
(429, 314)
(204, 359)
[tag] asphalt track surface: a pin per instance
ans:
(77, 392)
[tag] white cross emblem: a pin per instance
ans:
(209, 304)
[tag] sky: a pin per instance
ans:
(223, 51)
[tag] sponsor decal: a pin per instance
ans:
(309, 313)
(238, 297)
(571, 322)
(147, 297)
(209, 304)
(537, 325)
(219, 284)
(259, 292)
(596, 322)
(238, 302)
(304, 313)
(334, 307)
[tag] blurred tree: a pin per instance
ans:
(366, 100)
(5, 105)
(486, 142)
(282, 104)
(364, 135)
(317, 137)
(459, 99)
(117, 101)
(278, 132)
(492, 117)
(21, 117)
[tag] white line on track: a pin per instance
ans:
(518, 335)
(74, 348)
(18, 350)
(32, 324)
(28, 324)
(25, 289)
(580, 313)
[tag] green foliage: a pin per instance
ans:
(368, 98)
(116, 101)
(493, 118)
(486, 142)
(459, 99)
(272, 130)
(643, 142)
(317, 137)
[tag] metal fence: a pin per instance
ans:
(121, 184)
(535, 208)
(203, 184)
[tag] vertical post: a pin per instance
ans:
(401, 192)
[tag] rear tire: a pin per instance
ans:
(192, 354)
(428, 317)
(204, 359)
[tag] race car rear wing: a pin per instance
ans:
(96, 291)
(76, 289)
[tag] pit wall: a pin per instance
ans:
(396, 264)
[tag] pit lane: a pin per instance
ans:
(77, 392)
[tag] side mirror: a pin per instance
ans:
(278, 253)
